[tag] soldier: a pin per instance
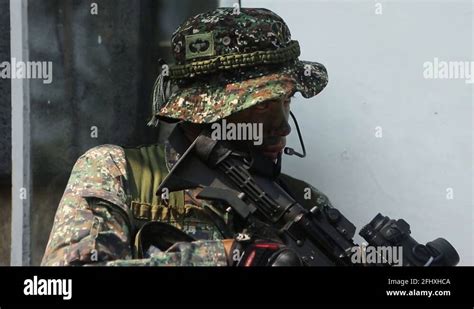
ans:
(237, 65)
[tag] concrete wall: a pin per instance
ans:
(375, 65)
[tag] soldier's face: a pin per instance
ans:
(273, 115)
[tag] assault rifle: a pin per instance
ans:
(321, 236)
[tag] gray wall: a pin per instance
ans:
(375, 65)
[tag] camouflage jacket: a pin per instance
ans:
(92, 225)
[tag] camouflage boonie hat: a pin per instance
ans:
(231, 59)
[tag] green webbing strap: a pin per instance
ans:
(146, 168)
(235, 61)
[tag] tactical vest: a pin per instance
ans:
(147, 168)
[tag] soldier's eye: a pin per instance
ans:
(262, 106)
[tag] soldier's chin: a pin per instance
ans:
(271, 155)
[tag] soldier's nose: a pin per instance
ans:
(283, 130)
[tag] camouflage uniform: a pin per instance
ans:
(225, 62)
(92, 223)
